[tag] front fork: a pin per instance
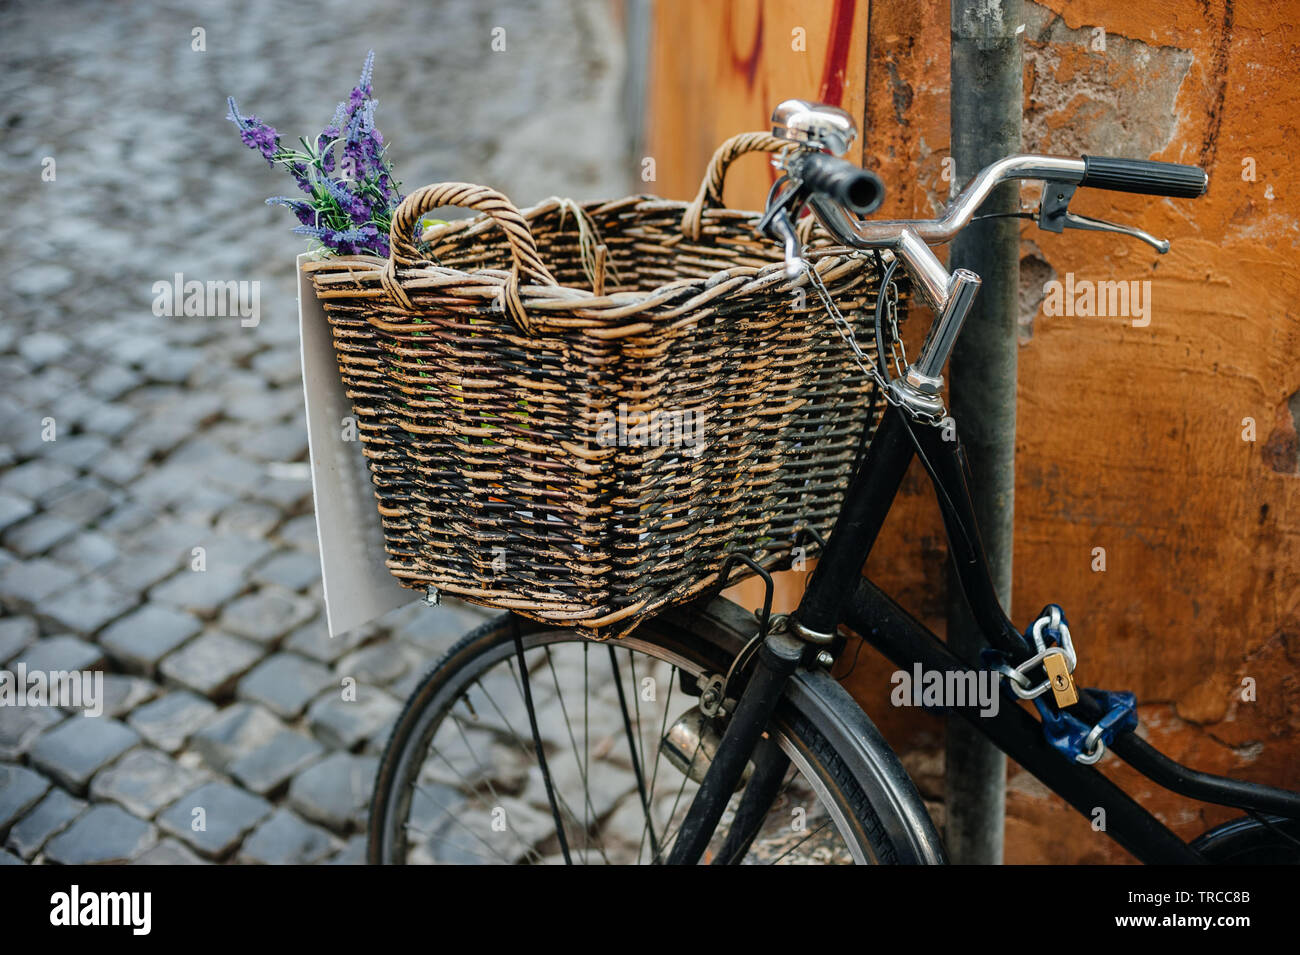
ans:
(778, 658)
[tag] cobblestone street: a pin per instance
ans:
(156, 517)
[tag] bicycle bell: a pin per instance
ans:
(828, 128)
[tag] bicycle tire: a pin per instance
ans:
(869, 796)
(1252, 841)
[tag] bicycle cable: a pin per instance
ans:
(1022, 214)
(882, 299)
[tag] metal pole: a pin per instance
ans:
(986, 114)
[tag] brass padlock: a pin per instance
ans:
(1060, 680)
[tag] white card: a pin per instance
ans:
(358, 587)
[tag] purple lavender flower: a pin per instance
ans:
(304, 210)
(360, 127)
(354, 204)
(361, 240)
(370, 237)
(362, 91)
(255, 133)
(349, 214)
(340, 117)
(325, 147)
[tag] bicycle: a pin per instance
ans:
(772, 761)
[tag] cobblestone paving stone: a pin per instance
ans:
(170, 720)
(214, 818)
(104, 833)
(271, 765)
(47, 819)
(159, 536)
(79, 747)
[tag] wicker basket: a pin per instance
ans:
(577, 412)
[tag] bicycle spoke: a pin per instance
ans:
(800, 842)
(659, 752)
(454, 818)
(537, 744)
(564, 804)
(636, 704)
(518, 740)
(680, 789)
(582, 774)
(487, 777)
(632, 749)
(469, 789)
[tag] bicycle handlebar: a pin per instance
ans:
(835, 190)
(885, 233)
(950, 294)
(850, 186)
(1146, 176)
(1098, 172)
(910, 237)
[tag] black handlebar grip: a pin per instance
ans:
(849, 185)
(1146, 176)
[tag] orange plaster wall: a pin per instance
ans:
(1130, 438)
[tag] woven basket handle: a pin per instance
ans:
(523, 248)
(710, 194)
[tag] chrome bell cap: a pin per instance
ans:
(814, 124)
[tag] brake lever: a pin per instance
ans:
(1054, 215)
(778, 223)
(1075, 221)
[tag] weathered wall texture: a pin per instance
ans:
(1165, 437)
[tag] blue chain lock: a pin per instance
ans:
(1068, 734)
(1081, 742)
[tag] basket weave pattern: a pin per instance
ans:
(579, 419)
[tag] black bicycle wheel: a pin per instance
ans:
(1258, 840)
(460, 780)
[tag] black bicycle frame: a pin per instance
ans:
(837, 593)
